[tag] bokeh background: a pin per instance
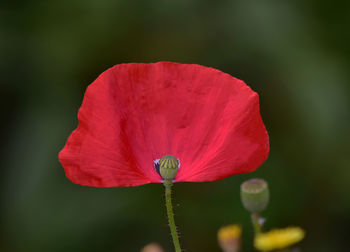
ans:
(295, 54)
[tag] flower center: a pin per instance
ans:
(167, 167)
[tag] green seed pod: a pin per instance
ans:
(168, 166)
(255, 195)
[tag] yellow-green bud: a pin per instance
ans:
(255, 195)
(168, 166)
(152, 247)
(229, 238)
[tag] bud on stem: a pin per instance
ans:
(168, 167)
(255, 195)
(229, 238)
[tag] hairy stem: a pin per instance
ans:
(169, 208)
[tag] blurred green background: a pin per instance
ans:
(295, 54)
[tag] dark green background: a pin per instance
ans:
(295, 54)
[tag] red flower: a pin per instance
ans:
(133, 114)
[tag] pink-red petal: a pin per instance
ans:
(136, 113)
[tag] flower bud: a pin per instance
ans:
(168, 167)
(152, 247)
(255, 195)
(229, 238)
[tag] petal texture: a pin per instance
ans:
(133, 114)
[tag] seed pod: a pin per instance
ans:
(168, 167)
(255, 195)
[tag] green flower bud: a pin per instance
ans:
(168, 166)
(255, 195)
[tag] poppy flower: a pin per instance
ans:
(134, 114)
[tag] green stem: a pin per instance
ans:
(169, 208)
(256, 224)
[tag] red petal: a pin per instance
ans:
(136, 113)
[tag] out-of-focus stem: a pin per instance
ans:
(256, 224)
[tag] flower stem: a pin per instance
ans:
(256, 224)
(169, 208)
